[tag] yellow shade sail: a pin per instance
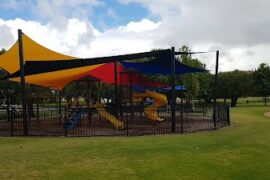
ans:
(57, 79)
(33, 51)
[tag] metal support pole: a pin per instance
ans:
(12, 122)
(59, 106)
(131, 95)
(116, 89)
(99, 98)
(173, 103)
(21, 59)
(89, 95)
(121, 95)
(228, 116)
(182, 124)
(215, 91)
(37, 104)
(77, 95)
(59, 103)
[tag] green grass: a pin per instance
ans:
(239, 152)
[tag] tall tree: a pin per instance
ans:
(191, 81)
(262, 81)
(235, 84)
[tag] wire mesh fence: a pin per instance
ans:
(111, 120)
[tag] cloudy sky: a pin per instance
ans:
(91, 28)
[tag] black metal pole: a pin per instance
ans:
(121, 95)
(131, 95)
(228, 116)
(59, 106)
(173, 103)
(59, 102)
(89, 95)
(116, 89)
(215, 91)
(77, 95)
(37, 103)
(182, 124)
(21, 59)
(99, 98)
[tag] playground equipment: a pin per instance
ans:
(151, 110)
(47, 68)
(86, 96)
(108, 116)
(73, 119)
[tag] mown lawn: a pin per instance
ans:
(239, 152)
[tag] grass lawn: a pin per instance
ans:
(239, 152)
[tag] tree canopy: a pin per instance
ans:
(235, 84)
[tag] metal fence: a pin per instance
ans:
(125, 120)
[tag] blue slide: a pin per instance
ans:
(74, 119)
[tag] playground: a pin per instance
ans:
(137, 105)
(238, 152)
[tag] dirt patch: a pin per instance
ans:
(267, 114)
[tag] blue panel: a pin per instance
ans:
(160, 66)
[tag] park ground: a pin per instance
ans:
(237, 152)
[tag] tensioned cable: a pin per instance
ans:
(202, 52)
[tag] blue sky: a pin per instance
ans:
(91, 28)
(106, 15)
(122, 14)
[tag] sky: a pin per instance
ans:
(240, 30)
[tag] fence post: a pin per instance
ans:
(127, 124)
(12, 122)
(21, 59)
(215, 91)
(37, 106)
(173, 103)
(182, 123)
(228, 116)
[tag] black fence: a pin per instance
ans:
(125, 120)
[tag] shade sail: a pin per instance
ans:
(33, 52)
(137, 79)
(47, 68)
(36, 67)
(161, 66)
(106, 73)
(57, 79)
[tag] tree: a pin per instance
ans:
(206, 91)
(235, 84)
(191, 81)
(262, 81)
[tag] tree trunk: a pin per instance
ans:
(233, 101)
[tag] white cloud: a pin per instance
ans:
(80, 39)
(239, 29)
(141, 26)
(76, 36)
(226, 25)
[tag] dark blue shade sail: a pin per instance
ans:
(161, 66)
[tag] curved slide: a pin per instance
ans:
(116, 122)
(151, 111)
